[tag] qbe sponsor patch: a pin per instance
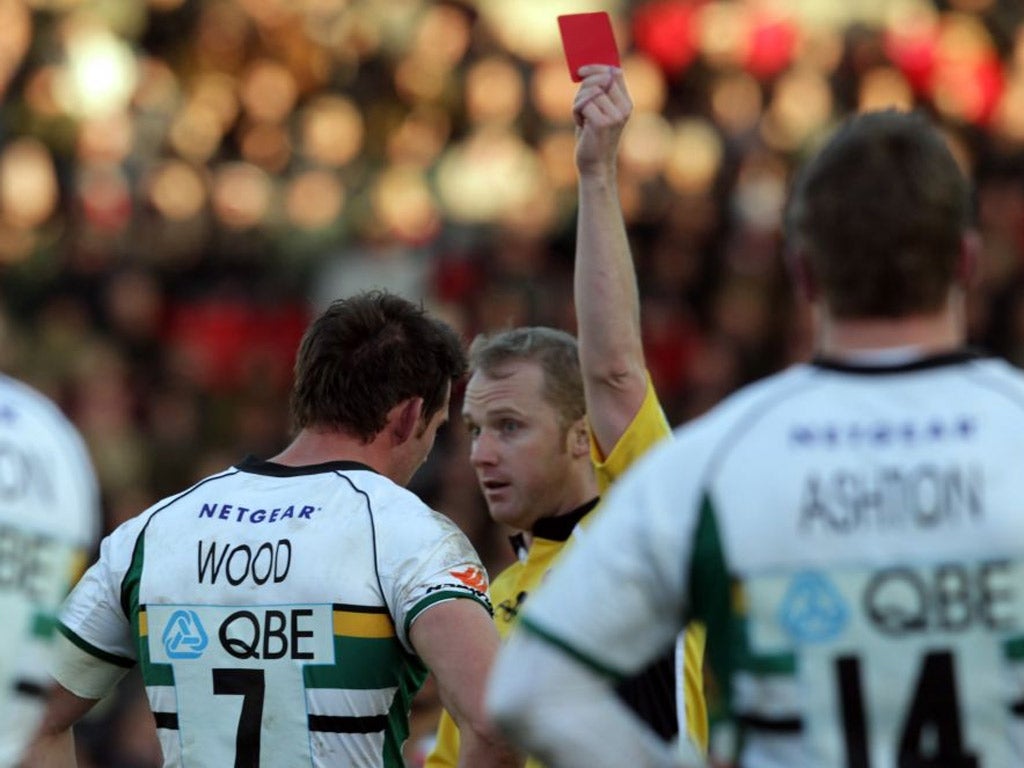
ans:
(239, 670)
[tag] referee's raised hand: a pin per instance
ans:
(601, 108)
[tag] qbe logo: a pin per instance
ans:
(184, 636)
(813, 610)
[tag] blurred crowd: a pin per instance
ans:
(183, 183)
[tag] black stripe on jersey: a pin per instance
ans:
(30, 688)
(652, 695)
(373, 543)
(347, 724)
(167, 720)
(1018, 708)
(257, 466)
(771, 724)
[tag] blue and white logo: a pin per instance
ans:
(184, 636)
(812, 610)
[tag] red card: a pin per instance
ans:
(587, 39)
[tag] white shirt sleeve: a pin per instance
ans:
(600, 733)
(616, 600)
(618, 597)
(424, 561)
(92, 616)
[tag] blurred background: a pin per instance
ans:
(183, 183)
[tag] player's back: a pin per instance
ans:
(270, 608)
(49, 518)
(871, 529)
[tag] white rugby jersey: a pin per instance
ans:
(854, 540)
(49, 519)
(269, 608)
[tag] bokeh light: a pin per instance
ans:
(405, 206)
(176, 190)
(100, 74)
(28, 184)
(268, 91)
(482, 177)
(15, 38)
(694, 156)
(314, 199)
(494, 91)
(331, 130)
(241, 194)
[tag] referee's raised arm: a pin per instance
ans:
(607, 303)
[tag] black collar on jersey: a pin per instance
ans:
(955, 357)
(261, 467)
(557, 528)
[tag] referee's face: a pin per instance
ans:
(518, 449)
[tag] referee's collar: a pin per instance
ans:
(557, 528)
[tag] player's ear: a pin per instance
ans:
(579, 436)
(802, 274)
(405, 418)
(968, 259)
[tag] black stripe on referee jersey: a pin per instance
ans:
(30, 688)
(1018, 708)
(339, 724)
(771, 724)
(167, 720)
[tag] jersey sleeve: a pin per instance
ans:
(428, 560)
(628, 571)
(93, 619)
(648, 428)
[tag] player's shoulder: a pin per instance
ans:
(699, 442)
(394, 503)
(996, 373)
(21, 401)
(743, 408)
(401, 518)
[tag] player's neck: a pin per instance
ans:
(318, 447)
(928, 334)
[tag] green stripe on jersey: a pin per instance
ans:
(409, 684)
(773, 664)
(585, 658)
(1014, 648)
(713, 601)
(110, 658)
(152, 674)
(363, 663)
(43, 625)
(438, 597)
